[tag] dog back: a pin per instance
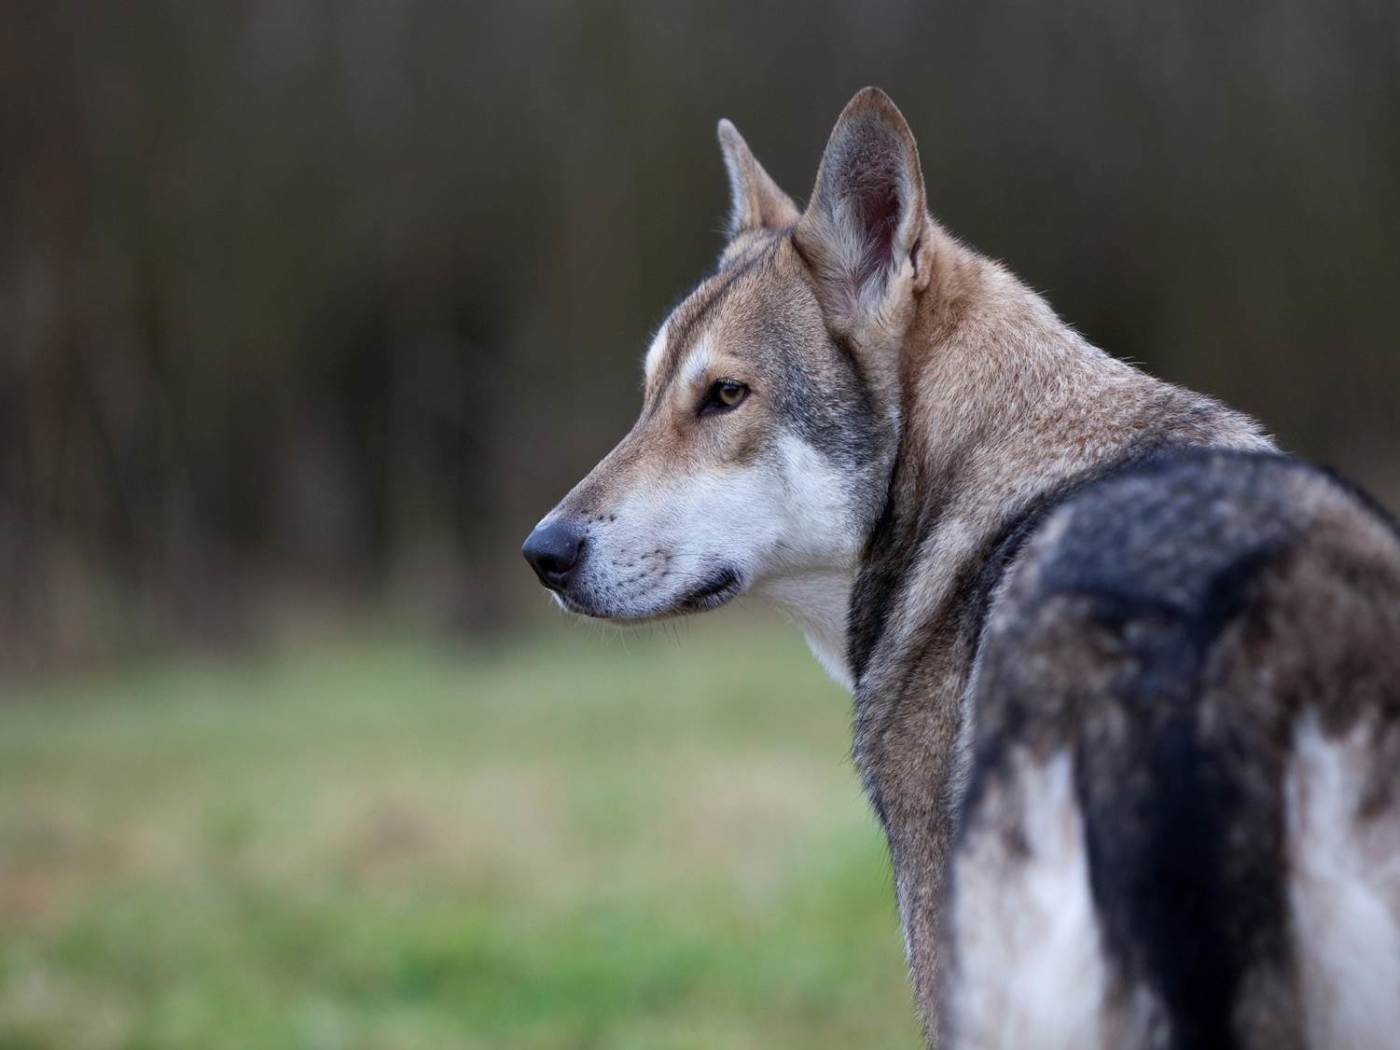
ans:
(1181, 827)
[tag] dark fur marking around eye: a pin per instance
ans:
(687, 318)
(723, 396)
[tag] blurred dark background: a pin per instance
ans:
(309, 309)
(311, 306)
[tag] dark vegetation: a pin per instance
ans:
(323, 304)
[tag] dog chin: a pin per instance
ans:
(719, 588)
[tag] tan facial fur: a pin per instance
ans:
(806, 310)
(695, 506)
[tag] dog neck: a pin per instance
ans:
(1002, 403)
(817, 601)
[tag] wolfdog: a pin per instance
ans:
(1126, 679)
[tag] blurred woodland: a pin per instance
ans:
(320, 305)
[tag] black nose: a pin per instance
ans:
(554, 551)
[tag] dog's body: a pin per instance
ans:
(1127, 682)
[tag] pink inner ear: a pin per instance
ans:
(875, 206)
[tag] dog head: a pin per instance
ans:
(770, 416)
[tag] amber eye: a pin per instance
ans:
(723, 395)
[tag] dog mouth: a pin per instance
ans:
(714, 590)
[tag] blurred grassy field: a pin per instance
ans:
(577, 840)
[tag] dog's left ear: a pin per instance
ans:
(756, 202)
(863, 233)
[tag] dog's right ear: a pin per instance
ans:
(863, 234)
(755, 201)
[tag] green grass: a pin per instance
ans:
(578, 840)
